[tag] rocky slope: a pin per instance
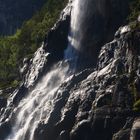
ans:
(100, 102)
(14, 12)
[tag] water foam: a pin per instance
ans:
(37, 106)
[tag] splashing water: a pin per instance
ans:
(79, 31)
(37, 106)
(74, 35)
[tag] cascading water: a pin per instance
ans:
(79, 109)
(75, 35)
(37, 106)
(80, 36)
(81, 14)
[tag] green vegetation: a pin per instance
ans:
(136, 106)
(25, 41)
(134, 24)
(134, 9)
(134, 13)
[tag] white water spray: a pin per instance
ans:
(37, 106)
(74, 35)
(78, 37)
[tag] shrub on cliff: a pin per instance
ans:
(26, 40)
(134, 9)
(137, 106)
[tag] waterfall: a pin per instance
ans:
(79, 35)
(75, 35)
(38, 104)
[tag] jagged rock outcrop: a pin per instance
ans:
(56, 40)
(97, 24)
(96, 103)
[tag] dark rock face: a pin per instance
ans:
(3, 102)
(4, 129)
(56, 40)
(100, 105)
(135, 132)
(51, 51)
(98, 23)
(94, 103)
(14, 12)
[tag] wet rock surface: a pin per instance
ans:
(100, 105)
(97, 26)
(135, 131)
(96, 103)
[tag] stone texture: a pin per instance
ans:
(95, 103)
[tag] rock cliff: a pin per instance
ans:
(100, 101)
